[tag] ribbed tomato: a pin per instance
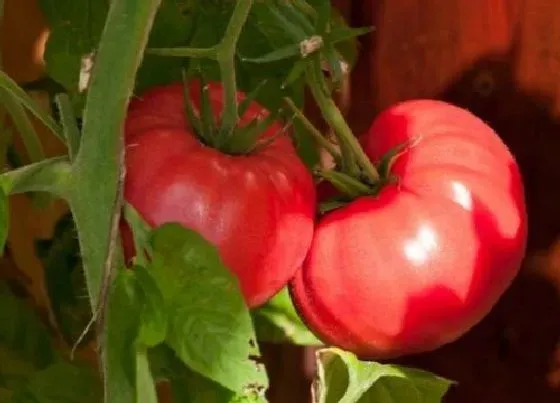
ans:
(419, 264)
(258, 208)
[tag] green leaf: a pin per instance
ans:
(75, 32)
(62, 382)
(210, 327)
(186, 385)
(4, 219)
(344, 33)
(344, 37)
(342, 378)
(277, 321)
(154, 316)
(136, 320)
(50, 175)
(123, 324)
(286, 52)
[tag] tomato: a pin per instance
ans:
(420, 263)
(258, 209)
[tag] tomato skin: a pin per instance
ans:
(426, 259)
(258, 209)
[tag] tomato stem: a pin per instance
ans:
(352, 152)
(323, 142)
(226, 60)
(195, 53)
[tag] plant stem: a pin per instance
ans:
(101, 152)
(352, 151)
(226, 60)
(196, 53)
(323, 142)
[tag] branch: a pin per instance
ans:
(97, 180)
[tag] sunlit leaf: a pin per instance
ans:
(278, 321)
(210, 328)
(342, 378)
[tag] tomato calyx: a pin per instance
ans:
(244, 139)
(351, 187)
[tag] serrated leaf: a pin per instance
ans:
(277, 321)
(4, 219)
(342, 378)
(62, 382)
(210, 327)
(344, 33)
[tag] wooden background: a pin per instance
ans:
(499, 58)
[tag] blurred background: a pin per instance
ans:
(498, 58)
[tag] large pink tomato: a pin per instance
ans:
(257, 208)
(418, 265)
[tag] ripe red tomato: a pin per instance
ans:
(419, 264)
(258, 209)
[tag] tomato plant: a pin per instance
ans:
(189, 177)
(417, 265)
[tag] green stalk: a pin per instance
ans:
(96, 204)
(226, 60)
(195, 53)
(352, 152)
(321, 140)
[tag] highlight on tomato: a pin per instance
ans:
(419, 263)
